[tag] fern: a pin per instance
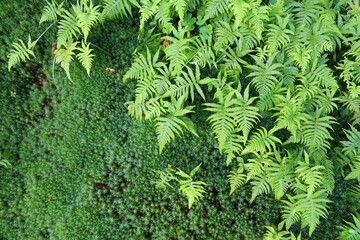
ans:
(262, 141)
(278, 35)
(117, 8)
(315, 131)
(85, 57)
(68, 28)
(311, 176)
(87, 16)
(215, 8)
(355, 171)
(21, 52)
(301, 56)
(236, 179)
(51, 11)
(264, 74)
(65, 55)
(180, 7)
(147, 10)
(193, 190)
(173, 123)
(240, 9)
(351, 231)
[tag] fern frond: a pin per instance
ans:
(87, 18)
(221, 120)
(311, 176)
(68, 28)
(290, 213)
(143, 66)
(355, 169)
(147, 10)
(51, 12)
(312, 208)
(350, 231)
(176, 52)
(264, 75)
(246, 116)
(193, 190)
(85, 57)
(278, 35)
(240, 9)
(301, 56)
(180, 7)
(352, 146)
(65, 54)
(316, 133)
(262, 141)
(114, 9)
(21, 52)
(204, 54)
(259, 186)
(215, 8)
(226, 34)
(173, 123)
(236, 179)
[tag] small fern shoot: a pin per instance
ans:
(21, 52)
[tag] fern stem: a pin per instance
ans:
(42, 34)
(101, 49)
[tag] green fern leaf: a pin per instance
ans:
(278, 35)
(117, 8)
(240, 9)
(301, 56)
(236, 179)
(312, 208)
(352, 146)
(311, 176)
(180, 7)
(85, 57)
(87, 18)
(21, 52)
(193, 190)
(68, 28)
(355, 171)
(65, 55)
(351, 231)
(147, 10)
(173, 123)
(259, 186)
(215, 8)
(264, 75)
(315, 131)
(262, 141)
(290, 213)
(51, 12)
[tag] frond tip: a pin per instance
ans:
(20, 52)
(85, 57)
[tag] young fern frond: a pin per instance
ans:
(193, 190)
(352, 146)
(85, 57)
(260, 185)
(143, 66)
(65, 54)
(301, 56)
(21, 52)
(51, 11)
(236, 179)
(147, 10)
(180, 7)
(245, 115)
(355, 169)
